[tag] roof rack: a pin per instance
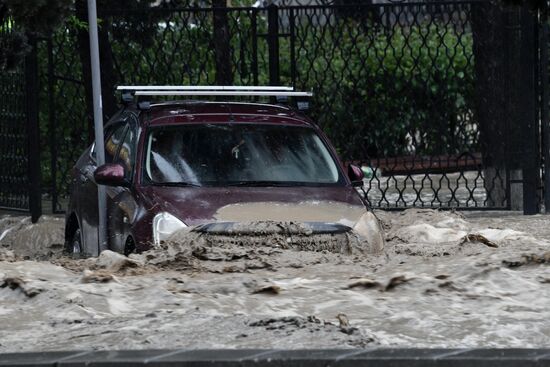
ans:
(166, 90)
(203, 87)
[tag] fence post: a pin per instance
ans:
(528, 99)
(254, 30)
(33, 131)
(222, 44)
(544, 105)
(292, 20)
(52, 127)
(493, 33)
(273, 43)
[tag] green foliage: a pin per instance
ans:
(75, 23)
(21, 18)
(390, 92)
(37, 16)
(176, 50)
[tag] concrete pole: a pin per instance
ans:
(98, 122)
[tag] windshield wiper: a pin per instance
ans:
(267, 183)
(176, 184)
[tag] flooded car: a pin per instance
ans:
(220, 169)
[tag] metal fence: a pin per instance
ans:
(414, 92)
(13, 142)
(19, 171)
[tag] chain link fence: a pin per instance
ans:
(14, 180)
(410, 91)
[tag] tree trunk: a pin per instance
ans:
(108, 77)
(222, 47)
(83, 41)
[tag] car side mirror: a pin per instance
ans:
(356, 175)
(110, 174)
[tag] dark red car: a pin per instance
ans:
(183, 164)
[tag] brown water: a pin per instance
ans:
(442, 281)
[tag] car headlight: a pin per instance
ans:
(164, 225)
(370, 230)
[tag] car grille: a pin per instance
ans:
(306, 236)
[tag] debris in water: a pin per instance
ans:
(395, 281)
(474, 237)
(343, 319)
(344, 325)
(271, 289)
(176, 286)
(211, 254)
(7, 255)
(115, 262)
(283, 322)
(41, 240)
(258, 264)
(234, 269)
(528, 259)
(98, 276)
(365, 283)
(450, 285)
(14, 283)
(370, 284)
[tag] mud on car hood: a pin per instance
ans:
(201, 205)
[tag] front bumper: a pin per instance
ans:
(304, 236)
(290, 228)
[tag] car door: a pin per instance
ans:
(121, 204)
(89, 219)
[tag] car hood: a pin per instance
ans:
(199, 205)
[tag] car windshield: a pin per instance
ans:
(238, 154)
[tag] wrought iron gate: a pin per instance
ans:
(19, 148)
(440, 101)
(394, 84)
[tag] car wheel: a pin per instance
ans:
(75, 246)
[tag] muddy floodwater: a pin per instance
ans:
(443, 280)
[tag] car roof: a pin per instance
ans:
(181, 112)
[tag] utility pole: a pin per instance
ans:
(98, 122)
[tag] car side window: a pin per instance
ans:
(113, 142)
(126, 154)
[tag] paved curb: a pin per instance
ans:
(383, 357)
